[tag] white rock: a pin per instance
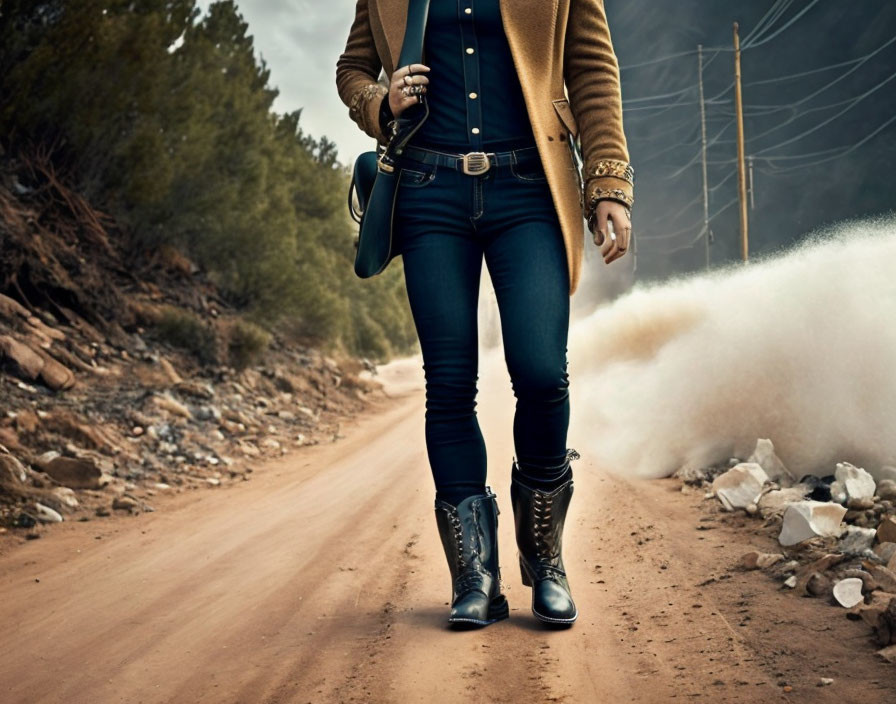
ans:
(756, 560)
(740, 486)
(66, 496)
(851, 483)
(46, 515)
(809, 519)
(848, 592)
(856, 540)
(790, 582)
(764, 455)
(777, 500)
(12, 468)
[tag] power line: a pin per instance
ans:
(802, 74)
(671, 147)
(794, 19)
(713, 189)
(697, 238)
(817, 127)
(797, 115)
(661, 96)
(658, 60)
(691, 228)
(697, 156)
(845, 150)
(665, 134)
(860, 61)
(769, 18)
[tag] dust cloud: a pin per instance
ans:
(799, 347)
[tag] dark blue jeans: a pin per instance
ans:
(446, 222)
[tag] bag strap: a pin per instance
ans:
(415, 27)
(412, 118)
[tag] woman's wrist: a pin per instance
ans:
(608, 179)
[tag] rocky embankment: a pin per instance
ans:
(125, 375)
(832, 537)
(136, 419)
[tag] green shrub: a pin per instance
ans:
(183, 329)
(246, 343)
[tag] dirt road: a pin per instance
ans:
(322, 580)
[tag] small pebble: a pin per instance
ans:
(825, 681)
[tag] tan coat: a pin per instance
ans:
(570, 78)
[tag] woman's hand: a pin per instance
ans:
(612, 244)
(408, 84)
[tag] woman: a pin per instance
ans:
(491, 175)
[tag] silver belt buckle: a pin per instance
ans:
(476, 163)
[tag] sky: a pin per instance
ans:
(301, 40)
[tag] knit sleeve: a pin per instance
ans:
(357, 71)
(591, 72)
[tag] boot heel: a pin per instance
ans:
(527, 582)
(498, 609)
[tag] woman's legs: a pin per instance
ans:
(527, 264)
(446, 227)
(442, 272)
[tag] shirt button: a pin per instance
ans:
(470, 50)
(473, 96)
(475, 130)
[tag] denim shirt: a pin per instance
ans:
(475, 98)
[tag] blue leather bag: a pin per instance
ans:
(376, 174)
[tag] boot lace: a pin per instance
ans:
(542, 505)
(541, 524)
(469, 578)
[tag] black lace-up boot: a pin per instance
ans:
(469, 533)
(539, 517)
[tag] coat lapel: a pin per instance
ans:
(393, 16)
(528, 24)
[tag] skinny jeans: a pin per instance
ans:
(446, 224)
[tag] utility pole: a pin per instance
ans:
(741, 166)
(752, 192)
(705, 181)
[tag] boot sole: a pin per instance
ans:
(550, 620)
(560, 622)
(498, 610)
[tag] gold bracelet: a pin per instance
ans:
(617, 169)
